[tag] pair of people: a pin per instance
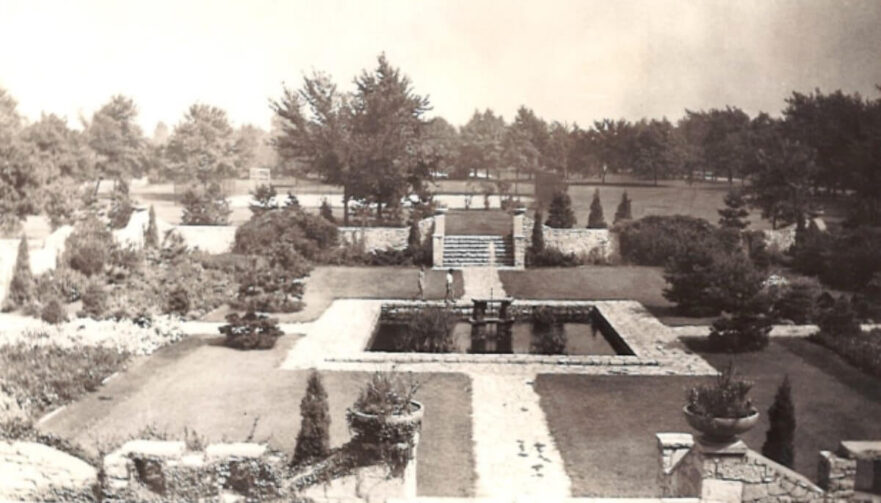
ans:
(448, 296)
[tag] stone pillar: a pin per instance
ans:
(518, 238)
(437, 239)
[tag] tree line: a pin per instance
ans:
(378, 143)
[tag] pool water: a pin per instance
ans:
(581, 338)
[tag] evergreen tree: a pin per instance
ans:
(313, 439)
(326, 212)
(538, 235)
(21, 288)
(414, 237)
(560, 213)
(780, 439)
(151, 233)
(733, 215)
(595, 219)
(623, 211)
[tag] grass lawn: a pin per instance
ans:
(605, 425)
(223, 395)
(327, 283)
(478, 222)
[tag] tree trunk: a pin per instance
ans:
(345, 206)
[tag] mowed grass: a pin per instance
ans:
(228, 395)
(605, 426)
(328, 283)
(478, 222)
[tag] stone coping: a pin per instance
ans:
(521, 359)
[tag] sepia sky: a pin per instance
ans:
(572, 60)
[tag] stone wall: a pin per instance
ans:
(780, 240)
(567, 312)
(382, 238)
(734, 473)
(593, 245)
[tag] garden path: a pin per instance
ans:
(482, 282)
(515, 454)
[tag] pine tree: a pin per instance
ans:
(21, 288)
(560, 213)
(538, 235)
(595, 219)
(623, 211)
(151, 233)
(313, 439)
(733, 215)
(780, 439)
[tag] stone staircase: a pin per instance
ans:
(473, 251)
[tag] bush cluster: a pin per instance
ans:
(206, 206)
(311, 236)
(739, 333)
(251, 331)
(653, 240)
(88, 247)
(845, 259)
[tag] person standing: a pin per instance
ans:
(422, 282)
(448, 297)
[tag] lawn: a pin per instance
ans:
(327, 283)
(478, 222)
(225, 395)
(605, 425)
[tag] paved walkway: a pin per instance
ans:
(344, 329)
(514, 452)
(482, 282)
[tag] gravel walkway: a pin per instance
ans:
(514, 452)
(482, 282)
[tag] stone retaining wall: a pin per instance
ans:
(566, 312)
(592, 245)
(734, 473)
(382, 238)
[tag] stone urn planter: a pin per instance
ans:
(720, 430)
(388, 438)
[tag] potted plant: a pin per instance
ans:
(385, 420)
(721, 410)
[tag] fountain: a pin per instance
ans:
(491, 323)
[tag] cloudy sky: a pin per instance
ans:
(569, 60)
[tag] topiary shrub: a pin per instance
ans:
(251, 331)
(54, 312)
(780, 440)
(623, 212)
(326, 212)
(151, 233)
(560, 214)
(538, 235)
(429, 331)
(94, 300)
(21, 287)
(595, 219)
(313, 439)
(121, 208)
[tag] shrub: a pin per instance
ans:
(54, 312)
(839, 320)
(551, 257)
(429, 331)
(727, 397)
(326, 212)
(88, 247)
(386, 394)
(313, 439)
(863, 350)
(548, 336)
(739, 333)
(151, 233)
(595, 219)
(70, 284)
(797, 303)
(780, 440)
(311, 236)
(263, 199)
(95, 300)
(654, 240)
(121, 208)
(178, 302)
(560, 213)
(251, 331)
(273, 284)
(21, 287)
(205, 206)
(624, 211)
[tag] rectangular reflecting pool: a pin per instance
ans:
(526, 338)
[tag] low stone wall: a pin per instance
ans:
(382, 238)
(593, 245)
(735, 473)
(520, 310)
